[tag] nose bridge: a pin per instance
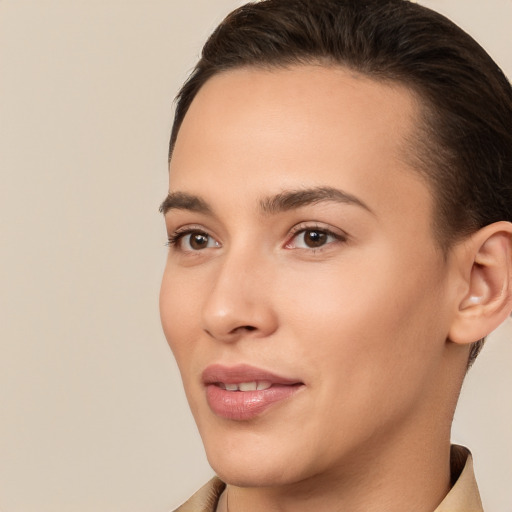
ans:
(239, 300)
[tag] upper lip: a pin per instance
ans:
(216, 373)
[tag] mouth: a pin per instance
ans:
(244, 392)
(245, 386)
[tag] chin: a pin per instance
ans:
(253, 474)
(253, 461)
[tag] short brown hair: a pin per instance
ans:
(464, 144)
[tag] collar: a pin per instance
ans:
(205, 499)
(464, 495)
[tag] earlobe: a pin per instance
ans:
(488, 292)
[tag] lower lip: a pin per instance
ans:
(246, 405)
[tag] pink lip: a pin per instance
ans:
(245, 405)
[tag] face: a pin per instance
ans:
(304, 294)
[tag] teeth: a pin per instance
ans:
(247, 386)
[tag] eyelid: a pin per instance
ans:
(338, 234)
(175, 236)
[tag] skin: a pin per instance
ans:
(361, 320)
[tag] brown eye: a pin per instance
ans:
(198, 241)
(192, 240)
(314, 238)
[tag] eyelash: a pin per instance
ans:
(305, 227)
(175, 238)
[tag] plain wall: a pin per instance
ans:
(92, 415)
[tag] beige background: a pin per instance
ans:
(92, 416)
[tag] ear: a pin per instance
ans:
(486, 301)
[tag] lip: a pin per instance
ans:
(245, 405)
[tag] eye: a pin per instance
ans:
(190, 240)
(313, 238)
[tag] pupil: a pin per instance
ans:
(315, 238)
(198, 241)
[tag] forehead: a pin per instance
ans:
(262, 130)
(313, 101)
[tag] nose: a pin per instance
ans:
(239, 300)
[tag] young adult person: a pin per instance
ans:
(339, 217)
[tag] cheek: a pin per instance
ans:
(167, 305)
(364, 340)
(367, 319)
(178, 317)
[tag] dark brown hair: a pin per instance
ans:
(464, 142)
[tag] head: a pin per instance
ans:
(463, 144)
(441, 152)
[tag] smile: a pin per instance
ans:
(243, 392)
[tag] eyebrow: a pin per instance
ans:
(294, 199)
(282, 202)
(184, 201)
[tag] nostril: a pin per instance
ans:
(241, 329)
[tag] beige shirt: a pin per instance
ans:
(463, 496)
